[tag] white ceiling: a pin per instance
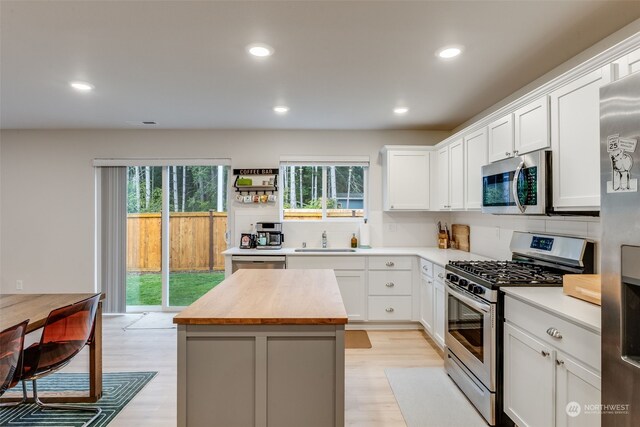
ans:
(337, 65)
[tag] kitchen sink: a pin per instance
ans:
(330, 250)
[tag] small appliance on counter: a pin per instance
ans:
(247, 241)
(269, 235)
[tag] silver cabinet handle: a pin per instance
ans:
(515, 153)
(440, 275)
(554, 333)
(559, 362)
(390, 285)
(389, 310)
(507, 154)
(389, 264)
(391, 206)
(544, 353)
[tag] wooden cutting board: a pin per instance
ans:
(583, 286)
(460, 234)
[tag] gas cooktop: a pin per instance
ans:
(506, 273)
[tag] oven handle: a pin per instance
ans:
(514, 186)
(484, 307)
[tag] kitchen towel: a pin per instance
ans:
(365, 235)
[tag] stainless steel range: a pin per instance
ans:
(474, 309)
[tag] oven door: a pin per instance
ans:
(471, 333)
(516, 185)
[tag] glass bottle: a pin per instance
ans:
(354, 241)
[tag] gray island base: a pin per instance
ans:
(263, 348)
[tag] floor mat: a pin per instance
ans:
(118, 389)
(428, 397)
(356, 339)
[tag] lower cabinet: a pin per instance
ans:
(438, 312)
(426, 304)
(546, 386)
(350, 274)
(388, 308)
(352, 289)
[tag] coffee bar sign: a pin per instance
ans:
(255, 171)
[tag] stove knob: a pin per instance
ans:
(449, 276)
(471, 287)
(463, 282)
(453, 278)
(478, 290)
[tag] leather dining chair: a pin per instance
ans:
(11, 346)
(66, 331)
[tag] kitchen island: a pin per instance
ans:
(263, 348)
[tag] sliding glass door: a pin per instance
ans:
(176, 228)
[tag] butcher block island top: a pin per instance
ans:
(270, 297)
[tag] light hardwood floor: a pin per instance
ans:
(369, 399)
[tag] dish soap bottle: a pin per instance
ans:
(354, 241)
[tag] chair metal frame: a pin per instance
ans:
(44, 373)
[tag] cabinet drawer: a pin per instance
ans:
(390, 263)
(438, 272)
(426, 267)
(321, 261)
(576, 341)
(390, 282)
(390, 308)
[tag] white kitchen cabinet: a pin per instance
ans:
(442, 184)
(575, 141)
(557, 369)
(426, 304)
(352, 290)
(528, 379)
(426, 295)
(531, 127)
(391, 288)
(406, 178)
(576, 383)
(500, 135)
(350, 275)
(475, 156)
(628, 64)
(450, 181)
(438, 305)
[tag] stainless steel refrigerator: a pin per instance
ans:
(620, 251)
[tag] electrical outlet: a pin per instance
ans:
(19, 285)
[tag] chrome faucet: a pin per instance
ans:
(324, 239)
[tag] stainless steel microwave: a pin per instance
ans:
(517, 185)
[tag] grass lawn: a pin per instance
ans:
(184, 288)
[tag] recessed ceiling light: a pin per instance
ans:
(260, 50)
(449, 52)
(401, 110)
(82, 86)
(281, 109)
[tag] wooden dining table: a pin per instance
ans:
(15, 308)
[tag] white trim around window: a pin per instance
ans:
(161, 162)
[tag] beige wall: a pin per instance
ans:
(47, 190)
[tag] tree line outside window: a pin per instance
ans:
(191, 188)
(304, 188)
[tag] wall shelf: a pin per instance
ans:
(262, 172)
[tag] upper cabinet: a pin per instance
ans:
(531, 127)
(450, 183)
(524, 131)
(575, 141)
(475, 156)
(628, 64)
(406, 178)
(501, 138)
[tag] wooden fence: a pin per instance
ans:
(197, 241)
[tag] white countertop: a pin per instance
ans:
(555, 301)
(435, 255)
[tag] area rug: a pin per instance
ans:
(428, 397)
(356, 339)
(153, 320)
(118, 389)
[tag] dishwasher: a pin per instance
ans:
(271, 262)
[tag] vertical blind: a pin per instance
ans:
(113, 238)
